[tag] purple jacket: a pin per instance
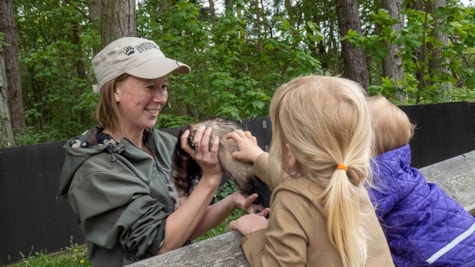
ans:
(424, 226)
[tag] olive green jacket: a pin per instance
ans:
(119, 194)
(297, 232)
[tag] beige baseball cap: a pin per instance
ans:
(138, 57)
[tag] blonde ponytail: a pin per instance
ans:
(342, 208)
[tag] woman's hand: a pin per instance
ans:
(194, 217)
(250, 223)
(249, 150)
(205, 155)
(245, 203)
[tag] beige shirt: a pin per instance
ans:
(297, 232)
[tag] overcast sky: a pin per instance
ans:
(467, 2)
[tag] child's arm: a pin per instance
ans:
(284, 241)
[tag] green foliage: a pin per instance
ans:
(228, 188)
(422, 82)
(33, 136)
(171, 121)
(234, 72)
(238, 57)
(55, 66)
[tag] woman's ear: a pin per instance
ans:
(116, 96)
(290, 156)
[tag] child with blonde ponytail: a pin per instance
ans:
(318, 162)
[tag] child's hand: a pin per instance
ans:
(251, 222)
(249, 150)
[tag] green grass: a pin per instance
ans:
(76, 255)
(71, 256)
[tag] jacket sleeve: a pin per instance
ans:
(115, 206)
(268, 171)
(284, 242)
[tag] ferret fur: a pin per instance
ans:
(186, 172)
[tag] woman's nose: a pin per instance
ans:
(159, 95)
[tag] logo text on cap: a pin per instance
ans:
(146, 46)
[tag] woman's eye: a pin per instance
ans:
(164, 87)
(151, 87)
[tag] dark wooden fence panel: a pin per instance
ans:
(442, 131)
(35, 217)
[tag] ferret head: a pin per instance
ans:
(186, 172)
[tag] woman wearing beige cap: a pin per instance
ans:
(115, 175)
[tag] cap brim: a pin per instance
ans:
(157, 68)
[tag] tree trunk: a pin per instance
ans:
(258, 25)
(117, 20)
(94, 7)
(437, 64)
(421, 53)
(80, 66)
(212, 10)
(6, 131)
(354, 59)
(12, 67)
(429, 57)
(392, 62)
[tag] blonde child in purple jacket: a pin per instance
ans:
(424, 226)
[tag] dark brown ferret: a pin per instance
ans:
(186, 172)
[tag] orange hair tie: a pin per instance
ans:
(342, 167)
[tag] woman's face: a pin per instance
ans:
(140, 101)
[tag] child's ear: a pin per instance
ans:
(290, 156)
